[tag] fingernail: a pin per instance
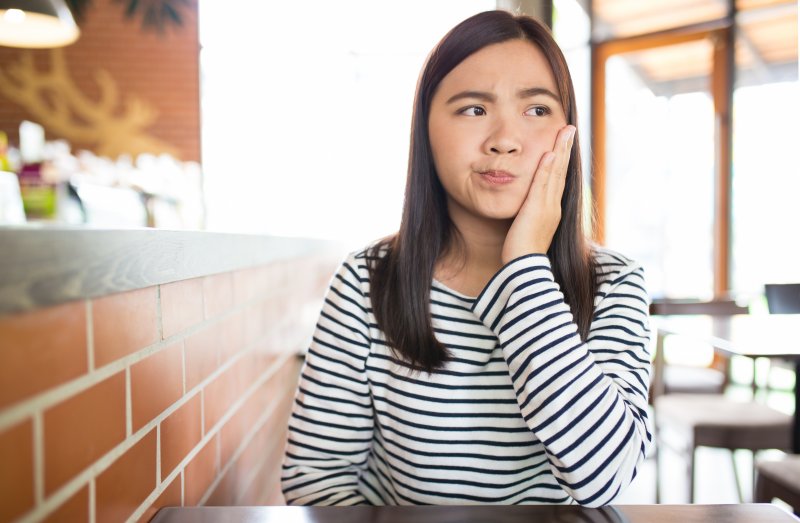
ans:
(571, 133)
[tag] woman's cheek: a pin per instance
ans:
(541, 142)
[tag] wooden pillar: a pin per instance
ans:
(722, 92)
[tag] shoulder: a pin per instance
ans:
(611, 266)
(367, 255)
(356, 264)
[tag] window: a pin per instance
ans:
(669, 192)
(306, 111)
(766, 179)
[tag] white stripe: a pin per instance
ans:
(445, 438)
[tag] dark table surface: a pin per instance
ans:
(750, 513)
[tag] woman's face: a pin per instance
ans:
(491, 120)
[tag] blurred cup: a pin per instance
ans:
(11, 210)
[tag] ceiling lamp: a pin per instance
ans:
(36, 24)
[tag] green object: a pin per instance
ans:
(39, 201)
(5, 165)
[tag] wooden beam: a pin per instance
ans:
(600, 53)
(722, 92)
(598, 183)
(720, 33)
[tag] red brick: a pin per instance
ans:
(170, 497)
(41, 349)
(238, 426)
(258, 283)
(218, 294)
(231, 336)
(199, 474)
(124, 323)
(180, 432)
(266, 454)
(220, 395)
(224, 494)
(75, 509)
(123, 486)
(255, 322)
(16, 470)
(246, 284)
(181, 306)
(156, 383)
(241, 423)
(202, 354)
(83, 428)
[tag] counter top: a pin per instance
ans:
(479, 513)
(41, 266)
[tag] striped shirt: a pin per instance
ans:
(523, 412)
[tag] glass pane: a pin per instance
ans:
(742, 5)
(617, 18)
(660, 165)
(571, 26)
(766, 179)
(317, 123)
(571, 31)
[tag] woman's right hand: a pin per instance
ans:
(536, 222)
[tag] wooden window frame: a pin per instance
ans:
(721, 33)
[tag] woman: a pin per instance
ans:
(486, 353)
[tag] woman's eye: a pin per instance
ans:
(539, 110)
(473, 110)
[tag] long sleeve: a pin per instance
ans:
(331, 426)
(586, 402)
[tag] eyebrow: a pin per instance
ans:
(489, 97)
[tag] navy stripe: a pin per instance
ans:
(507, 419)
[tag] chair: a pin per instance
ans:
(669, 379)
(783, 298)
(779, 479)
(685, 421)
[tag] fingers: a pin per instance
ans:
(538, 218)
(552, 170)
(563, 148)
(560, 162)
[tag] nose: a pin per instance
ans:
(503, 138)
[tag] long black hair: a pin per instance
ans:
(401, 266)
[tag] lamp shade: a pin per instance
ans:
(36, 24)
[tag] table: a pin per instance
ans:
(762, 513)
(753, 336)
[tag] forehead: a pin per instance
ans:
(515, 64)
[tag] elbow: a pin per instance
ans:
(591, 501)
(593, 497)
(605, 485)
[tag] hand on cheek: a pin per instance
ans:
(537, 220)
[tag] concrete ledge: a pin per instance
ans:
(41, 266)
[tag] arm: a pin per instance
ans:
(586, 402)
(331, 426)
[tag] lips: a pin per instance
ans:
(497, 177)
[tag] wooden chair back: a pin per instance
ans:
(783, 298)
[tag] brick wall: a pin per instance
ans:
(171, 395)
(162, 70)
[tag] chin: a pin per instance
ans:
(505, 209)
(500, 213)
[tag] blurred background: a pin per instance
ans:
(292, 119)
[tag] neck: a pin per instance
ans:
(482, 243)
